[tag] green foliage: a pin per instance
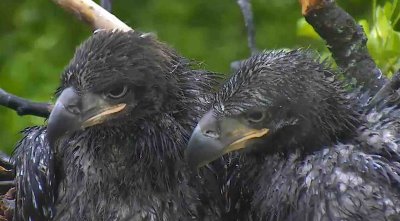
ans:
(37, 40)
(383, 40)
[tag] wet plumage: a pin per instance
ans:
(112, 147)
(308, 149)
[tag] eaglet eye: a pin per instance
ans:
(255, 116)
(117, 92)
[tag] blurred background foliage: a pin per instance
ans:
(37, 39)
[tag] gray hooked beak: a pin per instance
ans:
(74, 112)
(213, 138)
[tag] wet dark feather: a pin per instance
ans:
(341, 163)
(130, 168)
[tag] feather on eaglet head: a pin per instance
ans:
(110, 59)
(116, 78)
(110, 56)
(276, 102)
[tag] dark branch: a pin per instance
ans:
(23, 106)
(106, 4)
(8, 183)
(346, 40)
(245, 7)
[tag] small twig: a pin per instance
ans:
(106, 4)
(24, 106)
(93, 14)
(346, 40)
(247, 12)
(245, 7)
(7, 183)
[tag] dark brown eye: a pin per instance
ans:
(117, 92)
(255, 116)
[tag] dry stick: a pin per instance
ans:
(346, 40)
(23, 106)
(7, 183)
(93, 14)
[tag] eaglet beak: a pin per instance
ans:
(213, 138)
(74, 112)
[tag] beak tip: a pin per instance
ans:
(193, 160)
(189, 158)
(60, 122)
(192, 165)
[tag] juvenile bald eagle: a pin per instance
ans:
(307, 153)
(112, 148)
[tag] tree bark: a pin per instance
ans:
(346, 40)
(23, 106)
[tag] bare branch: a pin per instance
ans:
(23, 106)
(346, 40)
(245, 7)
(93, 14)
(8, 183)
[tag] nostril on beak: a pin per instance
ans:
(211, 134)
(70, 101)
(74, 109)
(209, 125)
